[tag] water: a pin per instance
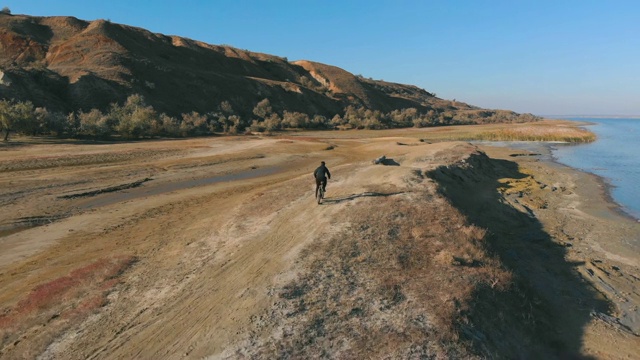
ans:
(615, 156)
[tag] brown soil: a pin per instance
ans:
(450, 251)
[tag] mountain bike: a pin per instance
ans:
(320, 195)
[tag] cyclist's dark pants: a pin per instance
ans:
(322, 182)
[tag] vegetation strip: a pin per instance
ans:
(135, 119)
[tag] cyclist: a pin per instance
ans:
(321, 179)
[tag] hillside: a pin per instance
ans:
(66, 64)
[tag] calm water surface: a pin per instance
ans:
(615, 156)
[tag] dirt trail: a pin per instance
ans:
(210, 255)
(237, 234)
(249, 251)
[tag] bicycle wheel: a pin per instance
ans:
(320, 195)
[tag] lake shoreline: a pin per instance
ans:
(598, 235)
(602, 180)
(612, 157)
(546, 153)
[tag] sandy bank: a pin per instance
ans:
(601, 240)
(454, 250)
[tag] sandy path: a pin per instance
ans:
(226, 274)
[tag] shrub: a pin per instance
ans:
(262, 109)
(170, 126)
(257, 126)
(295, 119)
(236, 126)
(94, 124)
(137, 123)
(273, 122)
(17, 116)
(133, 119)
(226, 107)
(194, 124)
(57, 124)
(319, 121)
(337, 120)
(136, 119)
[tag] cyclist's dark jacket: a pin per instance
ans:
(320, 172)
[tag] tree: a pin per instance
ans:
(262, 109)
(5, 10)
(16, 116)
(72, 124)
(42, 120)
(226, 107)
(319, 121)
(294, 119)
(372, 120)
(137, 123)
(194, 124)
(337, 120)
(273, 122)
(6, 119)
(218, 123)
(354, 116)
(236, 125)
(57, 123)
(24, 117)
(94, 124)
(257, 126)
(170, 126)
(134, 119)
(156, 128)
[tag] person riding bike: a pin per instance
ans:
(321, 179)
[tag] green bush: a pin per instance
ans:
(17, 116)
(93, 124)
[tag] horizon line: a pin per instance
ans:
(594, 116)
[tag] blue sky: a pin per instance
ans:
(538, 56)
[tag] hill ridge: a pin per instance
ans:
(66, 64)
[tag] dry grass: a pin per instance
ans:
(549, 130)
(538, 133)
(54, 306)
